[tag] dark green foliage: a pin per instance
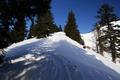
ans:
(39, 8)
(60, 28)
(13, 14)
(71, 28)
(116, 39)
(4, 38)
(45, 26)
(19, 29)
(106, 16)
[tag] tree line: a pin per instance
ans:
(15, 15)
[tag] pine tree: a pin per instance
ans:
(41, 8)
(60, 28)
(71, 28)
(106, 16)
(116, 38)
(5, 19)
(12, 18)
(14, 12)
(4, 38)
(19, 29)
(117, 32)
(45, 26)
(99, 45)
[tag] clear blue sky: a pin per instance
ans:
(85, 11)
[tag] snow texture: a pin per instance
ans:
(56, 58)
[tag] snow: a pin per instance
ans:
(21, 43)
(27, 57)
(89, 39)
(56, 57)
(90, 42)
(116, 22)
(113, 23)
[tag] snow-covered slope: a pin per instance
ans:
(90, 40)
(56, 58)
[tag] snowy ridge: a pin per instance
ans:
(21, 43)
(56, 58)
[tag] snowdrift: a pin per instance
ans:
(56, 58)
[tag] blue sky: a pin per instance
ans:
(85, 11)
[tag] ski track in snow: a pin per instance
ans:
(47, 59)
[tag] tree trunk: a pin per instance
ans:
(112, 44)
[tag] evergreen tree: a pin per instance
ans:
(38, 8)
(5, 19)
(116, 39)
(20, 12)
(14, 12)
(45, 26)
(106, 16)
(99, 45)
(12, 19)
(4, 38)
(60, 28)
(117, 34)
(71, 28)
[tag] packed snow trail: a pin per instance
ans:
(56, 58)
(50, 68)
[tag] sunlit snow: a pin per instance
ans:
(56, 57)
